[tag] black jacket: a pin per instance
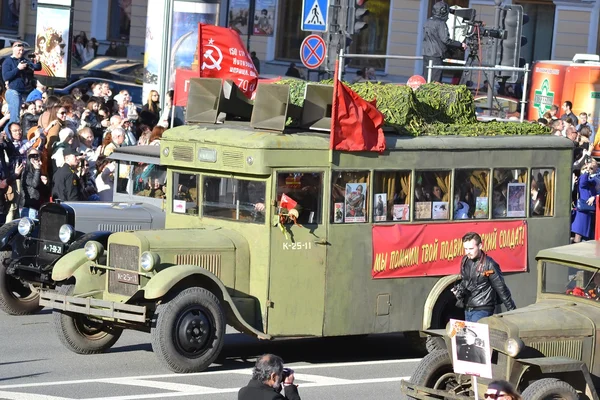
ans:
(436, 38)
(66, 185)
(28, 121)
(483, 280)
(32, 186)
(259, 391)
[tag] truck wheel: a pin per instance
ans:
(16, 298)
(550, 388)
(82, 334)
(434, 343)
(189, 330)
(435, 372)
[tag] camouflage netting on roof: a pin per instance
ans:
(433, 109)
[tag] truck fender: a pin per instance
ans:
(165, 280)
(8, 232)
(433, 297)
(66, 266)
(98, 236)
(555, 366)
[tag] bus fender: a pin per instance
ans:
(66, 266)
(165, 280)
(434, 296)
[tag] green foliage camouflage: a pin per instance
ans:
(433, 109)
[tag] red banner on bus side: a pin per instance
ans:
(401, 251)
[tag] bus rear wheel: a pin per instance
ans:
(189, 330)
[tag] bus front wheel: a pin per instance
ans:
(189, 330)
(435, 371)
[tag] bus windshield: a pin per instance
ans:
(232, 198)
(572, 281)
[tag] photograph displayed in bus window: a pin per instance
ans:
(185, 194)
(542, 192)
(349, 197)
(471, 198)
(391, 196)
(141, 179)
(432, 194)
(235, 199)
(508, 193)
(305, 189)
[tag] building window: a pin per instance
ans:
(372, 39)
(120, 20)
(289, 35)
(9, 15)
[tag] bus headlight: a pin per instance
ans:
(93, 250)
(149, 260)
(513, 347)
(26, 226)
(66, 233)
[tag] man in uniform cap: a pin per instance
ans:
(66, 183)
(469, 351)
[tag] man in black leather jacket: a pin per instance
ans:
(482, 282)
(436, 40)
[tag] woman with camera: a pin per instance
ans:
(583, 224)
(34, 191)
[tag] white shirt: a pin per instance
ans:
(104, 183)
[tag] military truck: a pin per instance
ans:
(271, 232)
(30, 248)
(546, 350)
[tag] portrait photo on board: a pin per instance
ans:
(471, 348)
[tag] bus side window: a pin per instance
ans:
(471, 198)
(508, 193)
(185, 194)
(542, 192)
(306, 189)
(432, 195)
(349, 197)
(391, 196)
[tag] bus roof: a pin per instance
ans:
(241, 135)
(584, 253)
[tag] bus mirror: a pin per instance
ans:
(211, 100)
(316, 112)
(272, 107)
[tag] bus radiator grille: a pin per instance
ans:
(210, 262)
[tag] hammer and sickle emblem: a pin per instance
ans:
(209, 54)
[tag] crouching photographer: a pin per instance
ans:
(268, 378)
(482, 285)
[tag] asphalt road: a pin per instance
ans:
(35, 366)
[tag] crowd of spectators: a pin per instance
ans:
(58, 147)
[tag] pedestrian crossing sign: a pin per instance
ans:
(314, 15)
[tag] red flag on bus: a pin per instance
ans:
(287, 202)
(356, 124)
(222, 54)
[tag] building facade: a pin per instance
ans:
(556, 29)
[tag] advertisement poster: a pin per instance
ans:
(355, 202)
(401, 212)
(380, 207)
(440, 210)
(184, 34)
(436, 249)
(471, 351)
(516, 200)
(264, 17)
(52, 40)
(338, 215)
(155, 49)
(239, 16)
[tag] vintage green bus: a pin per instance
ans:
(374, 248)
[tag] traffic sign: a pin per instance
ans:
(312, 51)
(314, 15)
(415, 81)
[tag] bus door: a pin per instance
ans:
(298, 254)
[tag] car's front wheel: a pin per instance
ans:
(16, 297)
(189, 330)
(435, 371)
(83, 334)
(550, 388)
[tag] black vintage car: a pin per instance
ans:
(29, 248)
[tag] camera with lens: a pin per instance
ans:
(286, 373)
(34, 156)
(31, 56)
(461, 293)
